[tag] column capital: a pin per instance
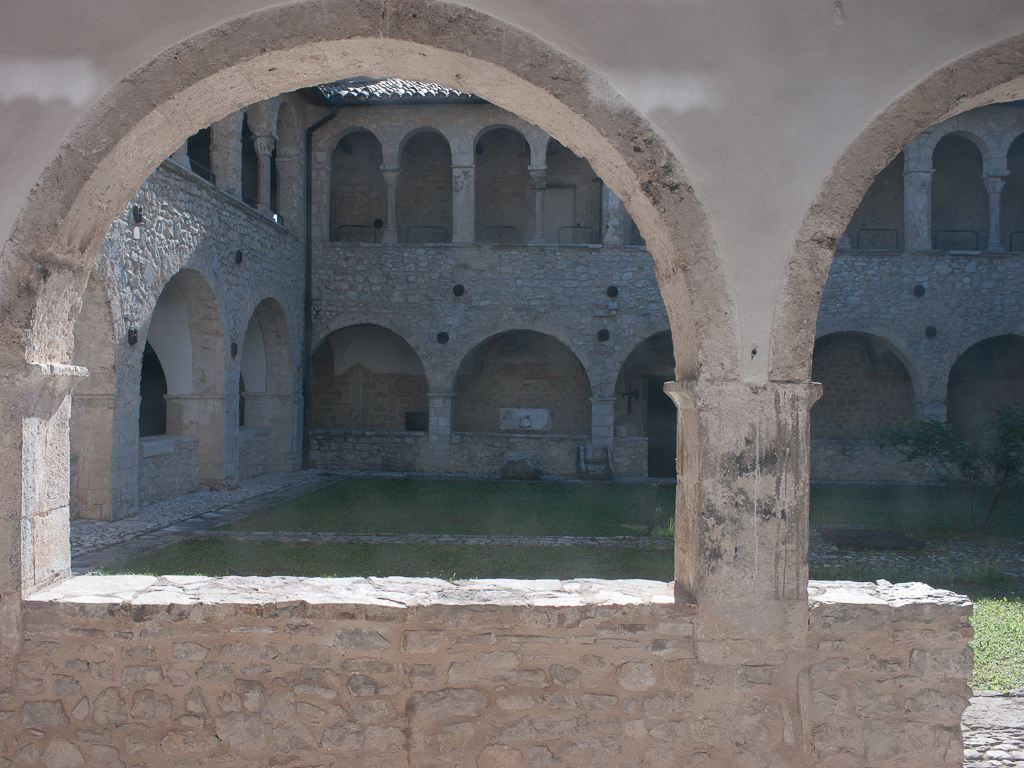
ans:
(264, 144)
(994, 183)
(538, 177)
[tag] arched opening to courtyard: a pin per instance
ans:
(266, 394)
(1013, 197)
(986, 378)
(572, 198)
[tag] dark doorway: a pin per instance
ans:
(661, 429)
(152, 388)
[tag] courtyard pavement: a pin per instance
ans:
(993, 724)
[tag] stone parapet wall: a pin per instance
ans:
(168, 467)
(630, 456)
(485, 452)
(140, 670)
(255, 451)
(359, 450)
(886, 680)
(862, 461)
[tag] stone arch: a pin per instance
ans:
(424, 194)
(268, 398)
(358, 194)
(866, 385)
(93, 405)
(196, 396)
(367, 377)
(642, 409)
(988, 75)
(959, 200)
(987, 377)
(504, 197)
(128, 131)
(522, 369)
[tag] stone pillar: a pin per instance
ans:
(463, 203)
(391, 174)
(439, 438)
(264, 149)
(226, 153)
(994, 184)
(290, 186)
(92, 437)
(602, 421)
(539, 181)
(917, 202)
(935, 409)
(204, 417)
(742, 499)
(613, 218)
(266, 409)
(180, 156)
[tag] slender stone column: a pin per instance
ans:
(539, 181)
(439, 437)
(226, 153)
(391, 174)
(613, 218)
(205, 417)
(917, 203)
(602, 420)
(463, 203)
(994, 184)
(264, 149)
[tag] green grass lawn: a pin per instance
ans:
(466, 507)
(223, 557)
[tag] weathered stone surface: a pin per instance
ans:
(635, 676)
(148, 705)
(522, 466)
(44, 714)
(362, 640)
(61, 753)
(241, 731)
(500, 756)
(450, 702)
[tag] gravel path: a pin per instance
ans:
(993, 723)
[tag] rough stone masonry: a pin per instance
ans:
(178, 670)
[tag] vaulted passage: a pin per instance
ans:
(986, 378)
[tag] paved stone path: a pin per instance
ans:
(993, 724)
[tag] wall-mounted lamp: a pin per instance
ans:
(239, 256)
(138, 218)
(234, 348)
(604, 334)
(442, 337)
(133, 337)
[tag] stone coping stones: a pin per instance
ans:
(863, 605)
(870, 538)
(204, 598)
(92, 594)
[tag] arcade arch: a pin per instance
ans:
(366, 377)
(987, 377)
(865, 387)
(522, 381)
(425, 189)
(642, 409)
(504, 197)
(358, 192)
(960, 214)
